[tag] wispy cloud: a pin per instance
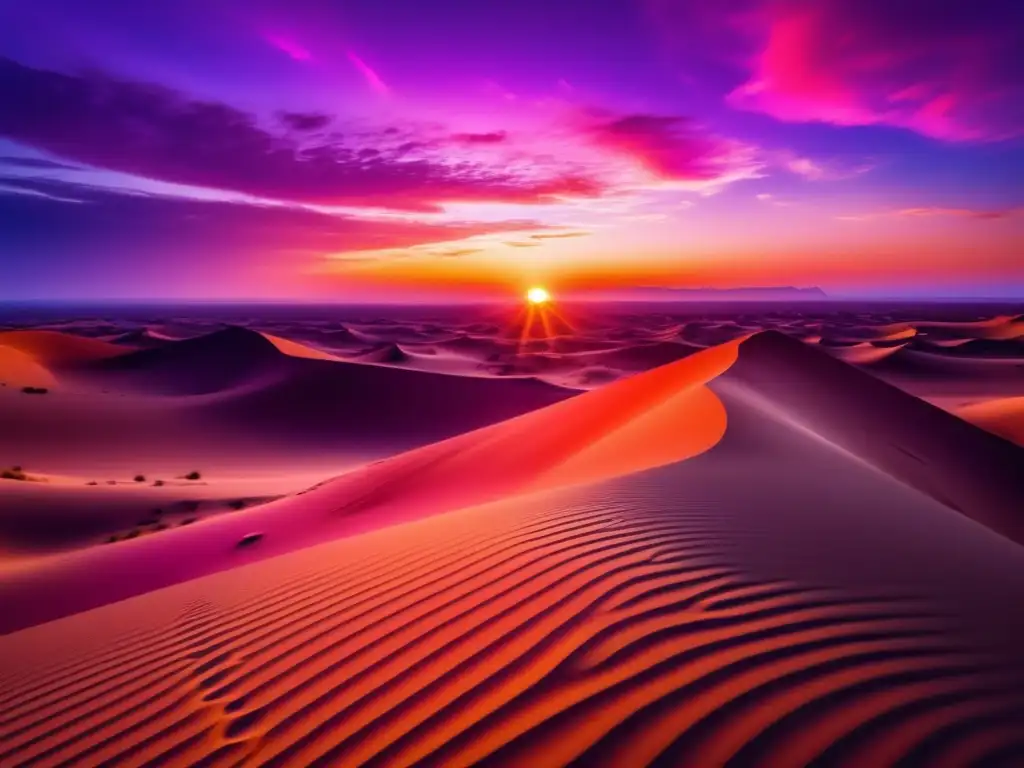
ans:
(161, 134)
(372, 78)
(938, 211)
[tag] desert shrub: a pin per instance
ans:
(158, 483)
(140, 478)
(34, 390)
(237, 504)
(193, 475)
(112, 538)
(92, 482)
(13, 474)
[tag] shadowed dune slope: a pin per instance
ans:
(964, 467)
(235, 398)
(209, 363)
(772, 601)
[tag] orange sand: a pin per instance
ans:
(740, 571)
(1003, 417)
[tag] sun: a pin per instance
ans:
(538, 295)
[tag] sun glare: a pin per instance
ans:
(538, 295)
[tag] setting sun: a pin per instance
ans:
(538, 295)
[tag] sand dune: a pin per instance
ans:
(22, 369)
(862, 353)
(774, 593)
(757, 555)
(233, 401)
(1003, 417)
(656, 418)
(55, 349)
(631, 425)
(905, 437)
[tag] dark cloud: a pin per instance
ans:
(305, 121)
(154, 132)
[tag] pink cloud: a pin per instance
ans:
(967, 213)
(368, 72)
(948, 70)
(671, 148)
(948, 73)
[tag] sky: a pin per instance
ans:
(365, 150)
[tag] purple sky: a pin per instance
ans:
(364, 149)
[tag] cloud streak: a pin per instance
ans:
(369, 74)
(161, 134)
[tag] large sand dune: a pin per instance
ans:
(727, 560)
(757, 555)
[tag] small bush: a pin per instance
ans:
(34, 390)
(112, 538)
(158, 483)
(140, 478)
(237, 504)
(92, 482)
(12, 474)
(193, 476)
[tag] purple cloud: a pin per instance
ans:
(950, 70)
(671, 147)
(158, 133)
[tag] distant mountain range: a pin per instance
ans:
(770, 293)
